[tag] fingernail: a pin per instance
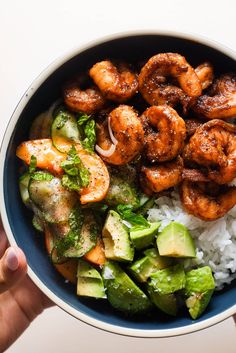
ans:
(12, 259)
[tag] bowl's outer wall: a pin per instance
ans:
(132, 49)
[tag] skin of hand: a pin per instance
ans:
(20, 300)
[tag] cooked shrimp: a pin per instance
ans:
(153, 83)
(192, 125)
(165, 133)
(221, 101)
(198, 201)
(214, 146)
(194, 175)
(161, 176)
(86, 101)
(205, 74)
(116, 83)
(120, 139)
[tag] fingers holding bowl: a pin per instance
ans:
(13, 267)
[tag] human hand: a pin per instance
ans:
(20, 300)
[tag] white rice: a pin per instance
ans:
(215, 241)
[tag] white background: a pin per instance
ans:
(33, 34)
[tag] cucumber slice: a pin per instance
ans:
(87, 237)
(24, 193)
(64, 129)
(54, 201)
(41, 126)
(38, 223)
(121, 192)
(145, 207)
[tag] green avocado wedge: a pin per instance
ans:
(116, 239)
(122, 293)
(142, 268)
(168, 280)
(166, 303)
(89, 281)
(175, 241)
(198, 302)
(199, 288)
(142, 238)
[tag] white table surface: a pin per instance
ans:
(33, 34)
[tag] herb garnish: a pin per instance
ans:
(76, 220)
(62, 118)
(136, 220)
(87, 130)
(37, 175)
(76, 175)
(33, 164)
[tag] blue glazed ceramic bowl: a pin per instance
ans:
(17, 220)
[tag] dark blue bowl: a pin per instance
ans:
(17, 219)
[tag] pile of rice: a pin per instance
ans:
(215, 240)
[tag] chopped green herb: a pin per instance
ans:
(76, 220)
(70, 183)
(61, 245)
(82, 118)
(90, 139)
(87, 130)
(71, 167)
(62, 117)
(94, 230)
(41, 176)
(33, 164)
(136, 220)
(77, 176)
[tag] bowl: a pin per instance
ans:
(17, 220)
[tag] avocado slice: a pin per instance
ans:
(175, 241)
(116, 239)
(144, 267)
(198, 302)
(168, 280)
(160, 262)
(166, 303)
(122, 293)
(199, 280)
(89, 283)
(199, 288)
(142, 238)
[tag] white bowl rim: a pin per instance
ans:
(154, 333)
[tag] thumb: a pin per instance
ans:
(13, 268)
